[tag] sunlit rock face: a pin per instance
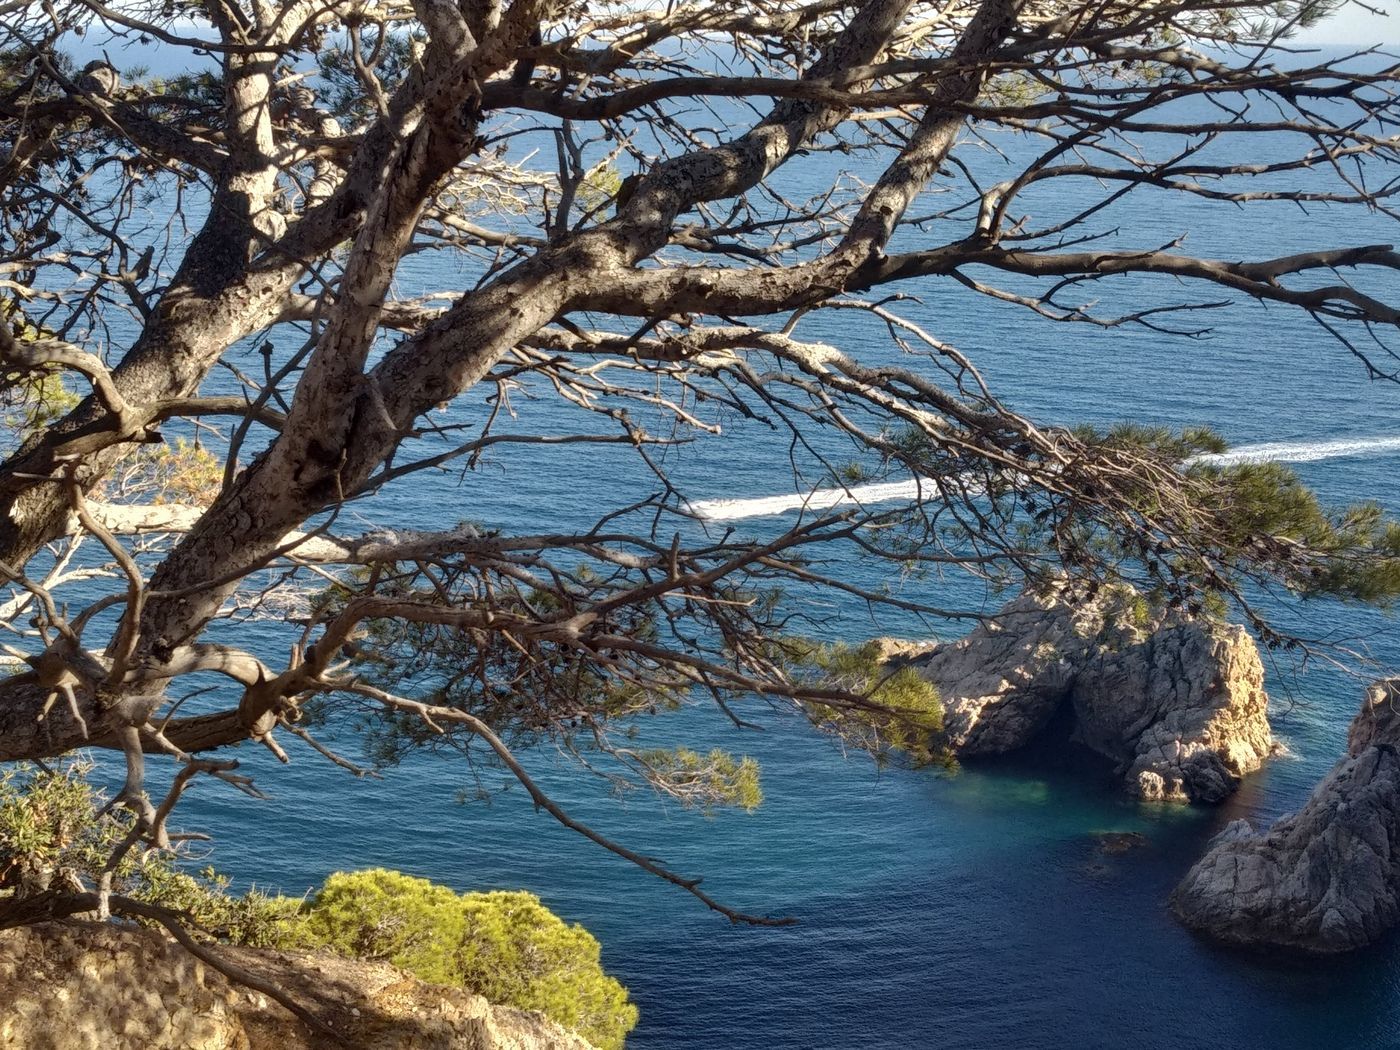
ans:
(1177, 703)
(95, 986)
(1324, 879)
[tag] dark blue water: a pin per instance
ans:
(968, 910)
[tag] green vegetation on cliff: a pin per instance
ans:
(505, 946)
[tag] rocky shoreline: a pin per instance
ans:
(1176, 703)
(1325, 879)
(78, 985)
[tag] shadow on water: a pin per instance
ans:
(1055, 753)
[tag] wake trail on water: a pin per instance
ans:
(915, 488)
(1301, 451)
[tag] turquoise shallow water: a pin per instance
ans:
(974, 910)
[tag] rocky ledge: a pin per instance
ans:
(1324, 879)
(75, 986)
(1178, 703)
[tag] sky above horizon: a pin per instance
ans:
(1369, 23)
(1355, 25)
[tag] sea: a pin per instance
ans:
(974, 908)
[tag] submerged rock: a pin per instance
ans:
(77, 985)
(1177, 703)
(1116, 843)
(1324, 879)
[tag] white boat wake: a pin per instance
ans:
(913, 488)
(1302, 451)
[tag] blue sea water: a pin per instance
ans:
(971, 910)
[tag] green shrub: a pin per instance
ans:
(48, 822)
(380, 914)
(505, 946)
(55, 821)
(255, 919)
(517, 951)
(704, 781)
(907, 713)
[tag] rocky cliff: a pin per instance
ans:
(1177, 703)
(1324, 879)
(90, 986)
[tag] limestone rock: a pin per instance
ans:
(1324, 879)
(1184, 709)
(1177, 703)
(899, 652)
(1003, 682)
(94, 986)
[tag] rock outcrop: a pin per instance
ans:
(1183, 708)
(1002, 683)
(1324, 879)
(1177, 703)
(75, 986)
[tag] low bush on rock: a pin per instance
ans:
(506, 946)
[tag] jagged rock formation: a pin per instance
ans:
(1324, 879)
(1002, 683)
(1177, 703)
(92, 986)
